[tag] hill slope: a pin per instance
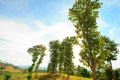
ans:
(7, 67)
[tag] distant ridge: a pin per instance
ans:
(8, 67)
(27, 66)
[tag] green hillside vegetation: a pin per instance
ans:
(10, 72)
(46, 76)
(7, 69)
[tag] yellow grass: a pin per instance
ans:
(12, 69)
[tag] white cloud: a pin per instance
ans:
(58, 30)
(14, 30)
(76, 50)
(20, 37)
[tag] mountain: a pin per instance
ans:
(27, 66)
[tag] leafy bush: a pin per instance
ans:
(81, 71)
(7, 77)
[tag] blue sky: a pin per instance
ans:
(24, 23)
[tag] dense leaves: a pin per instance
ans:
(95, 48)
(54, 50)
(67, 45)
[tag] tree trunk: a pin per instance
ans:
(94, 72)
(36, 71)
(36, 74)
(68, 77)
(37, 66)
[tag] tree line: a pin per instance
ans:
(97, 51)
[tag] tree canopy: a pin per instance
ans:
(94, 49)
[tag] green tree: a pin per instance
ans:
(34, 59)
(108, 73)
(83, 14)
(78, 71)
(61, 59)
(49, 68)
(41, 50)
(116, 72)
(111, 51)
(81, 71)
(37, 53)
(54, 54)
(67, 45)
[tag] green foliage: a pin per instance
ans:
(7, 77)
(78, 71)
(49, 68)
(110, 48)
(61, 59)
(118, 69)
(37, 52)
(95, 48)
(83, 14)
(29, 77)
(81, 71)
(30, 73)
(108, 74)
(116, 73)
(61, 56)
(67, 45)
(54, 50)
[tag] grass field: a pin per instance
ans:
(46, 76)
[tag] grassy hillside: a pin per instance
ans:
(7, 67)
(15, 73)
(46, 76)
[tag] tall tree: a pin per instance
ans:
(54, 54)
(83, 14)
(37, 53)
(41, 50)
(61, 59)
(32, 51)
(67, 45)
(111, 51)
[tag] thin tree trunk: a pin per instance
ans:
(37, 66)
(36, 74)
(68, 77)
(94, 72)
(36, 70)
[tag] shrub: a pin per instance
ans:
(7, 77)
